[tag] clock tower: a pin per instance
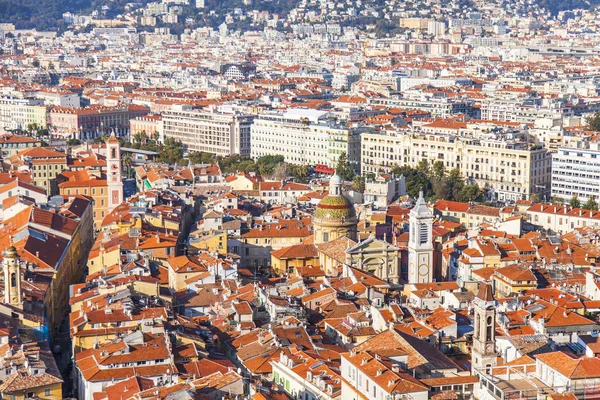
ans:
(420, 246)
(114, 180)
(483, 353)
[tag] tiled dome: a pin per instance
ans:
(335, 208)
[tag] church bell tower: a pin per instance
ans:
(114, 180)
(484, 336)
(420, 246)
(12, 277)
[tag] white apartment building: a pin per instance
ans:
(382, 190)
(495, 158)
(16, 113)
(306, 137)
(576, 172)
(440, 107)
(59, 98)
(370, 377)
(304, 377)
(214, 131)
(562, 219)
(523, 110)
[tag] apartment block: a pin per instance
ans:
(93, 121)
(306, 137)
(17, 113)
(217, 131)
(497, 158)
(576, 172)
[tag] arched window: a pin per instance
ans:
(13, 279)
(114, 153)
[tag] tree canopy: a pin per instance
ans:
(343, 168)
(437, 183)
(592, 123)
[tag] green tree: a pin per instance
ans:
(415, 181)
(592, 123)
(234, 164)
(343, 168)
(266, 164)
(536, 198)
(200, 157)
(140, 137)
(469, 193)
(171, 152)
(101, 139)
(358, 184)
(574, 202)
(128, 164)
(590, 204)
(423, 167)
(438, 170)
(557, 201)
(300, 172)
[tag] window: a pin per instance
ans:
(47, 392)
(423, 234)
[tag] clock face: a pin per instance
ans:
(489, 348)
(423, 269)
(114, 166)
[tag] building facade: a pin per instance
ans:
(576, 172)
(215, 132)
(93, 121)
(504, 162)
(305, 137)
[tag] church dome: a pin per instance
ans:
(335, 208)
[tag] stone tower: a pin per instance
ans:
(114, 180)
(420, 246)
(484, 336)
(12, 277)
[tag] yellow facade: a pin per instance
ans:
(215, 242)
(177, 279)
(104, 258)
(50, 392)
(98, 193)
(160, 222)
(290, 266)
(44, 174)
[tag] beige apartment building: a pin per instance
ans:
(216, 132)
(497, 158)
(16, 113)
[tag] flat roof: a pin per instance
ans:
(146, 152)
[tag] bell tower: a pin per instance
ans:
(114, 180)
(420, 246)
(484, 336)
(12, 277)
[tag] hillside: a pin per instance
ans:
(47, 14)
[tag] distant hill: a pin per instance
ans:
(47, 14)
(561, 5)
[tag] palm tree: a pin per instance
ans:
(128, 163)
